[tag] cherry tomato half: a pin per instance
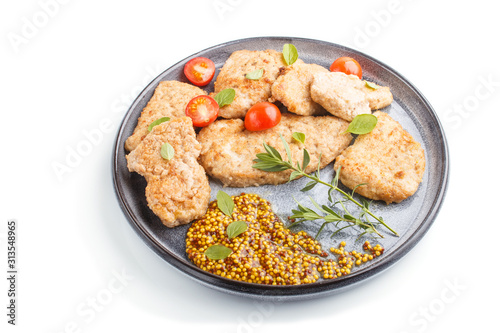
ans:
(347, 65)
(262, 116)
(203, 110)
(199, 71)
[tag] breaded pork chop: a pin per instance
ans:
(248, 92)
(178, 190)
(292, 88)
(169, 100)
(228, 150)
(387, 159)
(346, 96)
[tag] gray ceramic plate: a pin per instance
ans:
(411, 218)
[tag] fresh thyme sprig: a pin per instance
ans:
(272, 161)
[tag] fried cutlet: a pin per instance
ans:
(292, 88)
(248, 92)
(378, 98)
(228, 150)
(387, 159)
(346, 96)
(169, 100)
(178, 190)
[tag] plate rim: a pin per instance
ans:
(303, 291)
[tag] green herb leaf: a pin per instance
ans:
(167, 151)
(264, 157)
(362, 124)
(290, 53)
(371, 85)
(217, 252)
(255, 75)
(300, 137)
(157, 122)
(287, 149)
(316, 205)
(355, 187)
(272, 161)
(365, 203)
(225, 203)
(309, 186)
(269, 166)
(294, 175)
(349, 217)
(272, 151)
(320, 229)
(236, 228)
(305, 160)
(330, 211)
(225, 97)
(335, 180)
(340, 229)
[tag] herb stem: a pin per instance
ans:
(360, 205)
(272, 161)
(348, 196)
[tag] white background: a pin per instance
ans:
(89, 59)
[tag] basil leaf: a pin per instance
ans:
(236, 228)
(371, 85)
(300, 137)
(362, 124)
(225, 97)
(290, 53)
(157, 122)
(255, 75)
(217, 252)
(225, 203)
(167, 151)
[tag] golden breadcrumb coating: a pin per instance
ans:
(292, 88)
(178, 190)
(248, 92)
(228, 149)
(387, 159)
(346, 96)
(169, 100)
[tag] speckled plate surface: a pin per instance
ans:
(410, 218)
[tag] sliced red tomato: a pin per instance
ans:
(199, 71)
(262, 116)
(203, 110)
(347, 65)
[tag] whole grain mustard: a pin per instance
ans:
(267, 252)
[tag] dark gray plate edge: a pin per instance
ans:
(281, 293)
